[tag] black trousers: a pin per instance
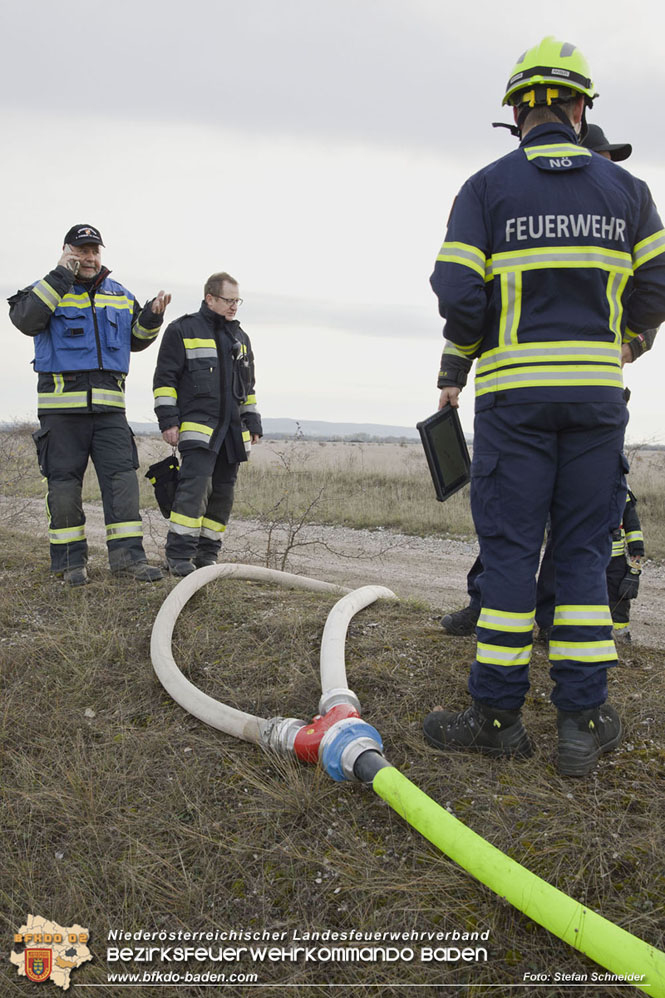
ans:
(202, 505)
(65, 442)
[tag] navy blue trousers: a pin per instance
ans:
(65, 442)
(545, 588)
(529, 461)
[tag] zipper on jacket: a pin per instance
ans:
(91, 295)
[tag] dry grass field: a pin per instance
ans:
(122, 812)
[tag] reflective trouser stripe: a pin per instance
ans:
(131, 528)
(182, 524)
(573, 615)
(504, 620)
(619, 625)
(502, 655)
(583, 651)
(66, 535)
(212, 528)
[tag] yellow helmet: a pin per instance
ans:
(549, 72)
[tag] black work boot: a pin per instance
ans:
(76, 576)
(204, 561)
(584, 736)
(479, 728)
(141, 571)
(461, 623)
(181, 567)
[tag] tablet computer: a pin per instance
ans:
(446, 451)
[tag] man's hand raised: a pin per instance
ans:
(159, 303)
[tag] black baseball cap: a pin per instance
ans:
(78, 235)
(596, 140)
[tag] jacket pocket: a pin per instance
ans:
(204, 377)
(485, 495)
(40, 438)
(112, 328)
(76, 332)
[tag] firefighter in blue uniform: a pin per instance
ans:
(553, 257)
(84, 327)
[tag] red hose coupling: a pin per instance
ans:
(308, 738)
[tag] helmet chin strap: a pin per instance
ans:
(516, 130)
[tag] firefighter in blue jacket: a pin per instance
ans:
(84, 326)
(205, 404)
(553, 257)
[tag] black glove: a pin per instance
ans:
(629, 585)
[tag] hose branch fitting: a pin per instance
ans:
(309, 737)
(278, 734)
(342, 745)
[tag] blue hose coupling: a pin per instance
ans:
(343, 743)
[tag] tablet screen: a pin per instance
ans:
(446, 451)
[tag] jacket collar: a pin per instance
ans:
(550, 132)
(217, 321)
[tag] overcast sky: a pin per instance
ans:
(312, 148)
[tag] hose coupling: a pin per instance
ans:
(339, 695)
(344, 743)
(279, 734)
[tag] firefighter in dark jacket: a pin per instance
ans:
(84, 326)
(625, 567)
(552, 257)
(205, 404)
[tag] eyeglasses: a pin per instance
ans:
(229, 301)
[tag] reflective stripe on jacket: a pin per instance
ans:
(204, 383)
(553, 257)
(83, 338)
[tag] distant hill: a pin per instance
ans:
(318, 429)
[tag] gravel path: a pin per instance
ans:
(429, 569)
